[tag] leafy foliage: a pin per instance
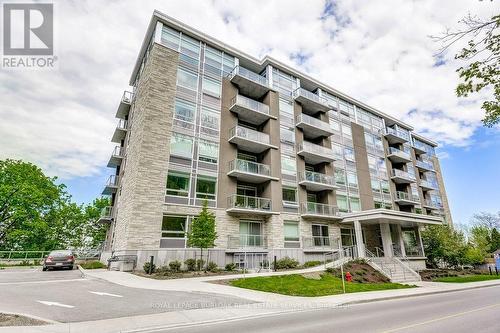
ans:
(202, 234)
(443, 243)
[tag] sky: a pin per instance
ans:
(377, 51)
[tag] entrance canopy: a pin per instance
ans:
(376, 216)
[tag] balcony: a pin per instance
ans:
(249, 139)
(432, 204)
(315, 181)
(249, 110)
(250, 172)
(242, 204)
(398, 156)
(402, 177)
(311, 102)
(124, 107)
(120, 131)
(424, 165)
(111, 185)
(246, 242)
(427, 185)
(314, 154)
(116, 157)
(419, 147)
(395, 136)
(318, 210)
(106, 215)
(405, 199)
(319, 243)
(249, 83)
(312, 127)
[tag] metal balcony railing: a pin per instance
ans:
(112, 181)
(249, 203)
(428, 184)
(248, 74)
(122, 124)
(316, 177)
(400, 195)
(117, 151)
(433, 204)
(403, 153)
(424, 165)
(249, 134)
(309, 95)
(315, 208)
(246, 241)
(250, 167)
(313, 122)
(419, 145)
(107, 212)
(250, 104)
(320, 242)
(315, 149)
(403, 174)
(127, 97)
(399, 134)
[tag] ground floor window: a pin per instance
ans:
(291, 232)
(320, 235)
(347, 237)
(289, 196)
(178, 183)
(173, 231)
(205, 187)
(251, 233)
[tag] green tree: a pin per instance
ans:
(495, 240)
(444, 244)
(95, 233)
(202, 234)
(26, 197)
(482, 58)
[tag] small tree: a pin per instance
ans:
(202, 234)
(495, 240)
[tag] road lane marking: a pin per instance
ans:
(440, 318)
(56, 304)
(41, 281)
(100, 293)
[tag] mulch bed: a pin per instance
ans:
(17, 320)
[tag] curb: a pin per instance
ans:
(82, 271)
(47, 321)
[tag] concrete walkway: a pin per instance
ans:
(266, 304)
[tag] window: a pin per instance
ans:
(320, 235)
(288, 165)
(181, 145)
(210, 118)
(211, 87)
(251, 234)
(349, 154)
(347, 237)
(346, 131)
(187, 79)
(289, 195)
(352, 180)
(286, 107)
(342, 203)
(334, 125)
(178, 183)
(291, 232)
(355, 204)
(384, 184)
(287, 134)
(205, 187)
(184, 110)
(208, 151)
(174, 226)
(337, 150)
(375, 185)
(340, 177)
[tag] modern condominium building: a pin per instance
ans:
(289, 165)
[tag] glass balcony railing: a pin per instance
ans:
(249, 134)
(315, 149)
(403, 174)
(320, 242)
(106, 212)
(246, 241)
(249, 203)
(112, 181)
(398, 133)
(250, 167)
(433, 204)
(400, 195)
(249, 75)
(427, 165)
(314, 122)
(316, 177)
(250, 104)
(122, 124)
(428, 184)
(127, 97)
(419, 145)
(301, 92)
(401, 153)
(315, 208)
(117, 152)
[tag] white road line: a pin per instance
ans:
(56, 304)
(41, 281)
(100, 293)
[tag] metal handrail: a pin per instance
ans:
(249, 134)
(127, 97)
(314, 148)
(313, 122)
(248, 74)
(248, 202)
(246, 241)
(403, 260)
(117, 151)
(122, 124)
(392, 131)
(403, 174)
(113, 180)
(428, 184)
(424, 164)
(319, 209)
(309, 95)
(250, 167)
(106, 211)
(396, 151)
(316, 177)
(400, 195)
(379, 251)
(250, 104)
(320, 242)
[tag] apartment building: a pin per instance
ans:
(289, 165)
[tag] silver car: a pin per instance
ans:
(59, 259)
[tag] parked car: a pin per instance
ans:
(59, 259)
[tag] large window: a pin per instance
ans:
(288, 165)
(355, 204)
(291, 232)
(347, 237)
(211, 87)
(174, 227)
(210, 119)
(289, 195)
(205, 187)
(181, 145)
(287, 134)
(352, 180)
(187, 79)
(178, 183)
(349, 154)
(342, 203)
(320, 235)
(208, 151)
(184, 110)
(340, 177)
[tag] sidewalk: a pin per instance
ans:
(266, 304)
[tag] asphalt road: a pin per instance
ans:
(474, 310)
(65, 296)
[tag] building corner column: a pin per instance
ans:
(360, 245)
(385, 232)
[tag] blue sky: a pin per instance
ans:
(377, 51)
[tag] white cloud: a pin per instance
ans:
(376, 51)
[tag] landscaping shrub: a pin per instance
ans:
(286, 263)
(212, 267)
(190, 264)
(92, 265)
(200, 263)
(145, 267)
(163, 270)
(175, 265)
(230, 267)
(312, 263)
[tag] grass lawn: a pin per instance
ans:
(467, 278)
(297, 285)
